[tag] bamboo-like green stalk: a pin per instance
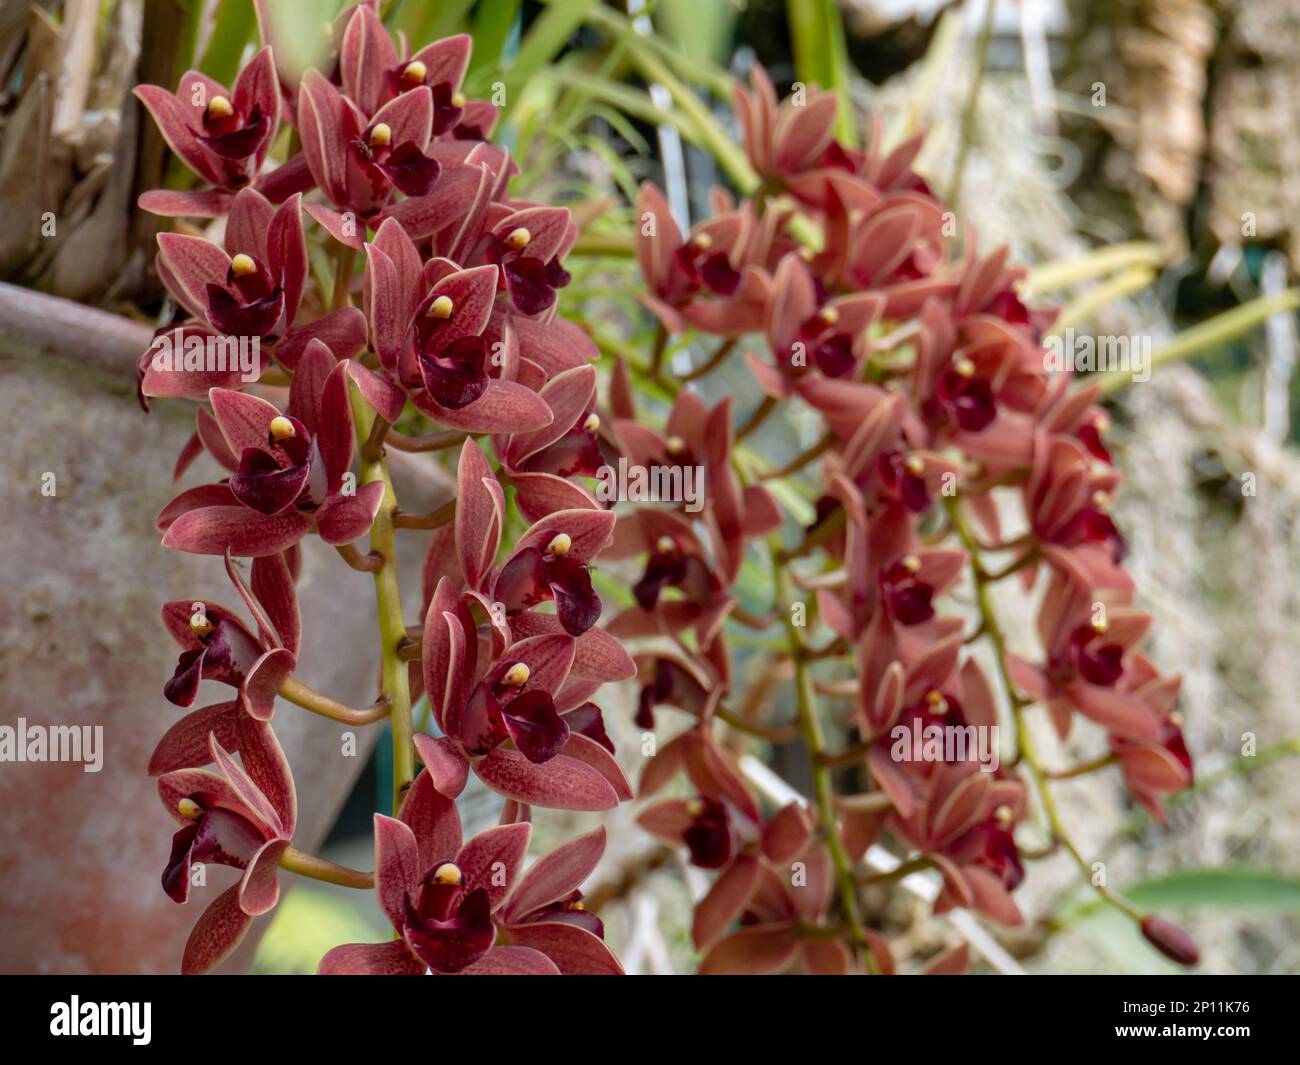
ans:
(1062, 273)
(821, 56)
(1210, 334)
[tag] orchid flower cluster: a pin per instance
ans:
(942, 429)
(927, 376)
(455, 312)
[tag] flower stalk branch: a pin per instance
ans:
(823, 788)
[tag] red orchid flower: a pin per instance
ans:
(222, 136)
(251, 288)
(289, 471)
(509, 718)
(254, 286)
(784, 138)
(550, 562)
(720, 259)
(1162, 766)
(242, 816)
(461, 907)
(1089, 644)
(372, 74)
(806, 330)
(1067, 497)
(543, 463)
(216, 645)
(964, 825)
(359, 162)
(527, 245)
(699, 437)
(676, 678)
(427, 325)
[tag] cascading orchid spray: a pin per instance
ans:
(457, 317)
(929, 379)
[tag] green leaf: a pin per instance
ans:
(821, 55)
(687, 63)
(702, 32)
(424, 21)
(545, 39)
(236, 25)
(710, 132)
(1209, 334)
(1228, 888)
(493, 24)
(301, 30)
(1234, 888)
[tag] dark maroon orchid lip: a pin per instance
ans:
(452, 944)
(456, 376)
(530, 577)
(217, 836)
(1095, 660)
(710, 837)
(228, 651)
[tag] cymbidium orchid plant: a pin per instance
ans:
(941, 430)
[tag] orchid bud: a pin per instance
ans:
(441, 307)
(242, 265)
(1168, 938)
(517, 675)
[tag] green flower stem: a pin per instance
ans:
(309, 699)
(296, 861)
(972, 105)
(359, 562)
(392, 629)
(1083, 768)
(916, 865)
(811, 729)
(1027, 750)
(731, 158)
(713, 362)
